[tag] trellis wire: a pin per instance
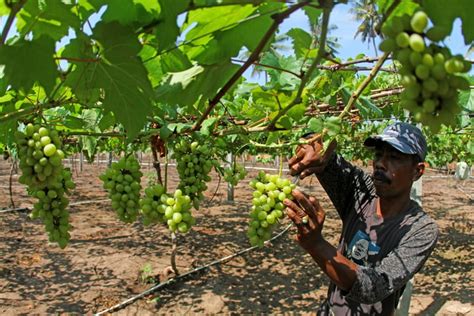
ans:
(25, 209)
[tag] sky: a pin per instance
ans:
(346, 27)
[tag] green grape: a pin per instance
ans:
(422, 71)
(47, 181)
(388, 45)
(419, 21)
(417, 43)
(430, 84)
(403, 39)
(122, 181)
(427, 60)
(438, 72)
(266, 212)
(194, 162)
(160, 207)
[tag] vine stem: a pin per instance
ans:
(23, 112)
(355, 95)
(321, 54)
(278, 19)
(10, 183)
(11, 17)
(174, 251)
(280, 167)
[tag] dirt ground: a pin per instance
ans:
(107, 261)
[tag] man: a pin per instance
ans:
(386, 237)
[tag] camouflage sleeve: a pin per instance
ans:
(345, 184)
(374, 284)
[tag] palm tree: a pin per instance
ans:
(366, 12)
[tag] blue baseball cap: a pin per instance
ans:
(404, 137)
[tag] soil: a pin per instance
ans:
(108, 261)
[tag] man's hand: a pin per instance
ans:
(309, 158)
(308, 216)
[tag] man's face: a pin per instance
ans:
(394, 171)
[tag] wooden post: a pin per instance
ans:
(230, 187)
(81, 161)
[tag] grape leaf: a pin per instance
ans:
(200, 23)
(206, 127)
(128, 12)
(21, 70)
(51, 18)
(301, 41)
(152, 63)
(106, 121)
(186, 87)
(80, 48)
(228, 42)
(280, 79)
(444, 15)
(312, 14)
(165, 132)
(167, 31)
(366, 106)
(120, 74)
(174, 61)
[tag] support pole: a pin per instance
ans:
(230, 187)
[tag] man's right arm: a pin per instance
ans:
(340, 179)
(343, 183)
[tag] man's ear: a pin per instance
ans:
(419, 170)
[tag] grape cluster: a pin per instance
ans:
(194, 162)
(39, 150)
(122, 181)
(235, 174)
(267, 208)
(430, 73)
(174, 210)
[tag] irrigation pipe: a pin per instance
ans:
(163, 284)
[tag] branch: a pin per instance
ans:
(317, 60)
(278, 19)
(355, 95)
(11, 17)
(355, 69)
(80, 60)
(27, 111)
(269, 66)
(386, 93)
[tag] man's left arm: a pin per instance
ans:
(397, 268)
(366, 285)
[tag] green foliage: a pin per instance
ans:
(163, 61)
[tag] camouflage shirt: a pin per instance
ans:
(388, 252)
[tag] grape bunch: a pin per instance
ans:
(51, 208)
(194, 162)
(235, 174)
(39, 150)
(174, 210)
(267, 206)
(430, 74)
(122, 181)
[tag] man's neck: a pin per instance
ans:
(389, 207)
